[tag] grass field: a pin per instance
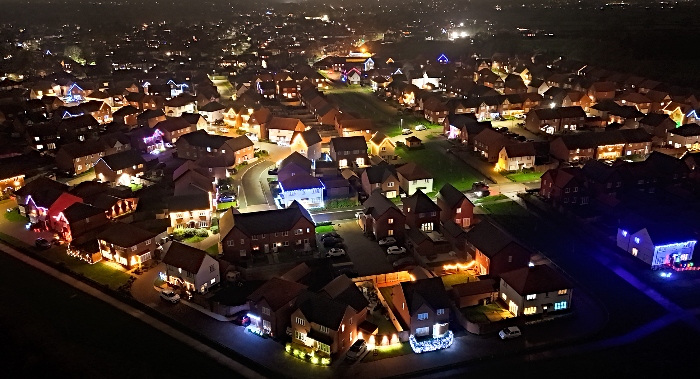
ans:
(100, 272)
(14, 216)
(445, 168)
(325, 229)
(213, 250)
(383, 352)
(458, 278)
(194, 239)
(476, 313)
(524, 176)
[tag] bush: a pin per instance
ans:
(214, 229)
(214, 221)
(202, 233)
(324, 223)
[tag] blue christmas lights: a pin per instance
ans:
(438, 343)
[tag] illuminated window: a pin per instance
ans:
(459, 210)
(342, 328)
(390, 232)
(422, 316)
(440, 311)
(636, 239)
(504, 297)
(562, 292)
(266, 311)
(529, 310)
(300, 336)
(624, 233)
(635, 251)
(531, 297)
(390, 221)
(324, 329)
(300, 321)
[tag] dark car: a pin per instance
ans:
(241, 318)
(331, 234)
(521, 138)
(42, 243)
(272, 171)
(480, 189)
(331, 241)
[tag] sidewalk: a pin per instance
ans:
(213, 354)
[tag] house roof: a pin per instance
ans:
(80, 211)
(488, 238)
(377, 204)
(298, 160)
(83, 149)
(524, 149)
(197, 201)
(451, 195)
(239, 143)
(558, 113)
(380, 173)
(203, 139)
(277, 292)
(283, 123)
(429, 291)
(537, 279)
(124, 159)
(343, 289)
(420, 203)
(111, 139)
(124, 235)
(185, 257)
(310, 137)
(125, 111)
(380, 137)
(321, 310)
(687, 130)
(191, 118)
(212, 106)
(475, 287)
(300, 182)
(172, 124)
(151, 113)
(264, 222)
(654, 119)
(349, 143)
(412, 171)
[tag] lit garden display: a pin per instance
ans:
(432, 344)
(310, 357)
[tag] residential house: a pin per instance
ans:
(77, 219)
(489, 143)
(115, 142)
(307, 190)
(351, 127)
(557, 120)
(349, 151)
(127, 115)
(34, 188)
(658, 125)
(193, 210)
(273, 303)
(421, 212)
(246, 235)
(608, 145)
(381, 218)
(413, 177)
(178, 105)
(121, 168)
(99, 110)
(480, 292)
(42, 137)
(294, 164)
(212, 112)
(602, 91)
(190, 268)
(78, 128)
(381, 146)
(381, 177)
(657, 243)
(564, 186)
(281, 129)
(307, 143)
(435, 110)
(424, 306)
(535, 290)
(516, 157)
(115, 201)
(173, 128)
(495, 251)
(78, 157)
(151, 117)
(455, 206)
(126, 244)
(230, 151)
(685, 136)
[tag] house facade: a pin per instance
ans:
(382, 218)
(190, 268)
(535, 290)
(126, 244)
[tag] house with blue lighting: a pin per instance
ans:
(657, 244)
(306, 189)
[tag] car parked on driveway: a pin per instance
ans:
(388, 241)
(404, 262)
(331, 241)
(330, 234)
(395, 250)
(335, 252)
(509, 332)
(42, 243)
(420, 127)
(169, 295)
(356, 350)
(241, 318)
(406, 132)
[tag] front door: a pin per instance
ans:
(267, 248)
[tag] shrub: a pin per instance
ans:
(202, 233)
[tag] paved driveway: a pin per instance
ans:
(366, 255)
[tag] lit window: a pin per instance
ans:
(531, 297)
(636, 239)
(504, 297)
(324, 329)
(266, 311)
(390, 221)
(300, 321)
(342, 328)
(459, 210)
(530, 310)
(562, 292)
(441, 311)
(422, 316)
(560, 305)
(624, 233)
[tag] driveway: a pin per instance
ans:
(367, 257)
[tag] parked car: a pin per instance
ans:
(521, 138)
(169, 295)
(406, 131)
(396, 250)
(330, 234)
(226, 198)
(480, 189)
(388, 241)
(335, 252)
(273, 171)
(241, 318)
(356, 350)
(420, 127)
(331, 241)
(42, 243)
(404, 262)
(509, 332)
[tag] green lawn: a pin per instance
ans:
(135, 187)
(14, 216)
(224, 206)
(325, 229)
(476, 313)
(524, 176)
(491, 199)
(213, 250)
(383, 352)
(445, 168)
(458, 278)
(100, 272)
(194, 239)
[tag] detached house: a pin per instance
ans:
(516, 156)
(179, 105)
(557, 120)
(173, 128)
(273, 303)
(564, 186)
(126, 244)
(122, 168)
(381, 217)
(349, 151)
(424, 306)
(381, 146)
(495, 251)
(535, 290)
(421, 212)
(489, 143)
(307, 143)
(685, 136)
(246, 235)
(413, 177)
(381, 177)
(656, 243)
(78, 219)
(455, 206)
(281, 129)
(191, 211)
(190, 268)
(230, 151)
